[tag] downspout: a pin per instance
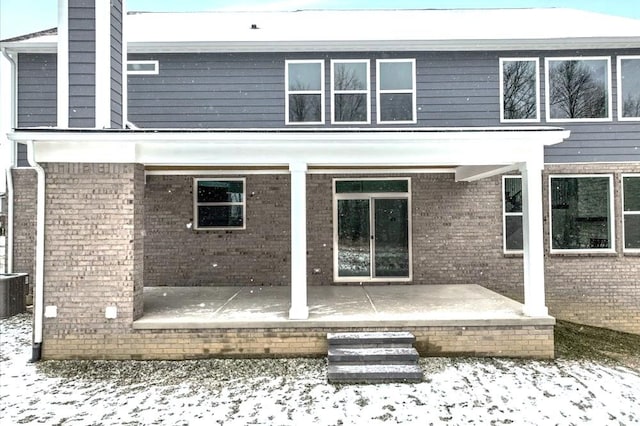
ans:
(38, 287)
(9, 239)
(12, 162)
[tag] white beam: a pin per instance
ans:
(473, 173)
(299, 308)
(533, 241)
(63, 64)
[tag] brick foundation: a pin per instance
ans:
(507, 341)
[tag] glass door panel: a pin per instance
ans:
(391, 243)
(354, 238)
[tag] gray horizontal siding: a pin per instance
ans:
(37, 96)
(82, 56)
(454, 89)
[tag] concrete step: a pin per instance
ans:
(373, 373)
(349, 354)
(371, 339)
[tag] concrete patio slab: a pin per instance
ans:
(331, 306)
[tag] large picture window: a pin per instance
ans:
(629, 88)
(219, 203)
(512, 214)
(350, 93)
(631, 211)
(578, 89)
(581, 212)
(396, 87)
(304, 92)
(519, 89)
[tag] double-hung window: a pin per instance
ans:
(581, 213)
(578, 89)
(519, 90)
(304, 96)
(631, 212)
(396, 91)
(350, 91)
(629, 88)
(512, 214)
(219, 203)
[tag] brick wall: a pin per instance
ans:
(178, 255)
(526, 341)
(602, 290)
(93, 247)
(457, 232)
(24, 222)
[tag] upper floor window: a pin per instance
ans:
(519, 89)
(219, 203)
(629, 88)
(396, 88)
(350, 91)
(581, 213)
(304, 92)
(578, 89)
(631, 211)
(512, 214)
(142, 67)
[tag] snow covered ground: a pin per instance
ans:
(295, 392)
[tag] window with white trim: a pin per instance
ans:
(304, 97)
(581, 213)
(396, 91)
(350, 91)
(512, 214)
(219, 203)
(578, 89)
(142, 67)
(631, 212)
(519, 90)
(629, 88)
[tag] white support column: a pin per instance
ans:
(299, 309)
(533, 240)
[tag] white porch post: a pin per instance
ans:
(533, 241)
(299, 309)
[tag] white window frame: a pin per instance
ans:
(612, 231)
(196, 204)
(619, 83)
(370, 195)
(412, 91)
(335, 92)
(629, 213)
(505, 214)
(320, 92)
(155, 70)
(520, 120)
(547, 89)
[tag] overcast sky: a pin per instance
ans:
(18, 17)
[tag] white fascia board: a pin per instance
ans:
(437, 148)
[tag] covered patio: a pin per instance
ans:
(331, 306)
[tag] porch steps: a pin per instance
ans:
(373, 357)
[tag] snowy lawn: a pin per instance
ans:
(295, 391)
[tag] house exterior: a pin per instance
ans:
(259, 149)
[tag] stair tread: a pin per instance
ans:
(371, 335)
(368, 351)
(375, 368)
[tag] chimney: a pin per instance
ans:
(91, 64)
